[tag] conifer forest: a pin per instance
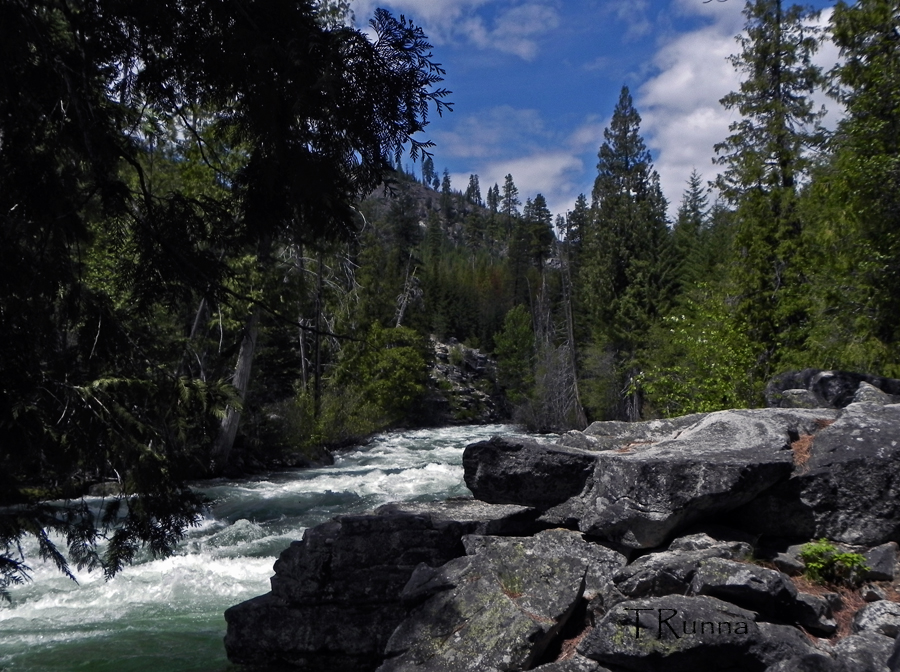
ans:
(223, 234)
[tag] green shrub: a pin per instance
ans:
(826, 564)
(457, 357)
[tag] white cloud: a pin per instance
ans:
(539, 161)
(492, 133)
(555, 174)
(682, 117)
(514, 29)
(634, 15)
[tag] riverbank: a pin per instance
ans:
(168, 613)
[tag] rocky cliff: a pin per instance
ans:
(463, 387)
(663, 545)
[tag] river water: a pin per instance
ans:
(168, 614)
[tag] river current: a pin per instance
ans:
(167, 614)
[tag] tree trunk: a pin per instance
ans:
(580, 416)
(241, 381)
(228, 429)
(317, 389)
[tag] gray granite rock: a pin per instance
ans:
(789, 564)
(576, 663)
(524, 471)
(865, 652)
(893, 662)
(666, 573)
(335, 596)
(800, 399)
(814, 614)
(832, 389)
(848, 491)
(684, 634)
(872, 593)
(641, 497)
(882, 562)
(500, 606)
(880, 617)
(618, 435)
(765, 591)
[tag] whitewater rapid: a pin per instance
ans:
(167, 613)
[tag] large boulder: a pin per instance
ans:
(641, 494)
(684, 634)
(497, 608)
(335, 596)
(801, 473)
(865, 652)
(829, 389)
(666, 573)
(848, 490)
(880, 617)
(525, 471)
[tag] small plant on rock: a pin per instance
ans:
(825, 563)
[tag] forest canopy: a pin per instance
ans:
(202, 267)
(156, 162)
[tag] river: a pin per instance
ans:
(168, 613)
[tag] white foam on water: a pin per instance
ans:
(228, 557)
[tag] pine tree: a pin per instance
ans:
(428, 174)
(625, 249)
(688, 234)
(861, 188)
(473, 191)
(764, 159)
(540, 228)
(446, 195)
(493, 198)
(577, 224)
(509, 203)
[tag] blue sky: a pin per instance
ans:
(535, 82)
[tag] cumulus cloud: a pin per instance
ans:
(554, 174)
(515, 30)
(514, 27)
(493, 132)
(506, 141)
(634, 15)
(682, 117)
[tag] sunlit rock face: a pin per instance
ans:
(786, 472)
(623, 547)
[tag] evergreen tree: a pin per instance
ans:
(688, 233)
(519, 254)
(446, 195)
(493, 198)
(473, 191)
(624, 275)
(540, 226)
(859, 229)
(428, 173)
(102, 261)
(509, 203)
(764, 159)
